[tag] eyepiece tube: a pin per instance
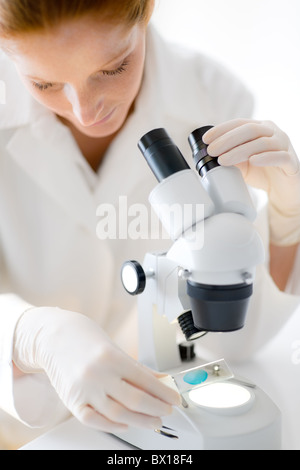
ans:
(161, 154)
(203, 161)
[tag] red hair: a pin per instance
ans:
(25, 16)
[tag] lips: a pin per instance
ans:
(104, 120)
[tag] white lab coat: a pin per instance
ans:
(50, 253)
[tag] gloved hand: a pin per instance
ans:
(268, 161)
(102, 386)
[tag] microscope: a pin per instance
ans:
(202, 284)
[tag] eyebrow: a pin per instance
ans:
(127, 51)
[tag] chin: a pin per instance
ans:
(97, 133)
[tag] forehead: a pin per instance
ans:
(75, 43)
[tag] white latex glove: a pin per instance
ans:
(102, 386)
(268, 161)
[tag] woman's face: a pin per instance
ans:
(87, 72)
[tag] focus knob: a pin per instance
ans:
(133, 277)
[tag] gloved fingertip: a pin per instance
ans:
(178, 400)
(155, 423)
(223, 161)
(208, 137)
(212, 151)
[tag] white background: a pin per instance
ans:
(259, 40)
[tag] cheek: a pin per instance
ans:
(128, 84)
(54, 103)
(131, 83)
(126, 91)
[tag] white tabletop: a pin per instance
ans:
(276, 370)
(72, 435)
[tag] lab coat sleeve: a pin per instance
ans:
(30, 399)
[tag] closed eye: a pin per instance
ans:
(117, 71)
(42, 86)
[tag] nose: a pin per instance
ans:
(86, 105)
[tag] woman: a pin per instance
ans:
(95, 78)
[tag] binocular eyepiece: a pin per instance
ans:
(165, 158)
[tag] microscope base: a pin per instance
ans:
(254, 427)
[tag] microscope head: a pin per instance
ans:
(223, 307)
(220, 271)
